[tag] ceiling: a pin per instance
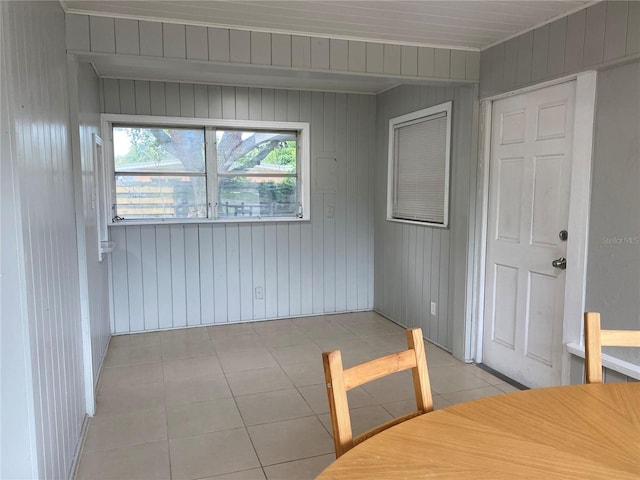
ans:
(462, 24)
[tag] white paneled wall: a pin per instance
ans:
(598, 36)
(116, 36)
(182, 275)
(46, 427)
(18, 458)
(417, 265)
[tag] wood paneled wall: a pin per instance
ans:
(35, 107)
(181, 275)
(416, 265)
(18, 458)
(117, 36)
(602, 34)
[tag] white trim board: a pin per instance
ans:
(79, 447)
(90, 386)
(579, 203)
(482, 216)
(531, 88)
(612, 363)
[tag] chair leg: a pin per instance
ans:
(592, 348)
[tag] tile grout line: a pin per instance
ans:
(235, 402)
(166, 413)
(296, 388)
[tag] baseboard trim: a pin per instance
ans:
(448, 350)
(78, 453)
(255, 320)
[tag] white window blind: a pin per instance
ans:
(419, 167)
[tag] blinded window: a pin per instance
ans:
(419, 166)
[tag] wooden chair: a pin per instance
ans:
(595, 338)
(339, 381)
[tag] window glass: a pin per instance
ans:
(158, 149)
(257, 197)
(256, 152)
(159, 172)
(160, 196)
(257, 173)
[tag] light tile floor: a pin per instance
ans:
(247, 401)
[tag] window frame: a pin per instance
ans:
(302, 129)
(414, 117)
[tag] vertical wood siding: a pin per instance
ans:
(602, 34)
(87, 33)
(416, 265)
(33, 47)
(184, 275)
(17, 435)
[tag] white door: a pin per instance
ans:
(529, 182)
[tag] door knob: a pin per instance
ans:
(560, 263)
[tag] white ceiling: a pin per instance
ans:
(455, 24)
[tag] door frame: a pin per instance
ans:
(579, 204)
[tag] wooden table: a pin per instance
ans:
(574, 432)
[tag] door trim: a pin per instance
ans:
(579, 203)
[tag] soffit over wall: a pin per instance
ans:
(175, 70)
(151, 50)
(472, 25)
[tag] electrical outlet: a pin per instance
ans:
(259, 293)
(434, 308)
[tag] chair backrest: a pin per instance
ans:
(595, 338)
(339, 381)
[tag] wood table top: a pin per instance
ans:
(572, 432)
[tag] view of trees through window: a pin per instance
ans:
(256, 173)
(160, 172)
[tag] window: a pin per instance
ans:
(194, 170)
(418, 182)
(159, 172)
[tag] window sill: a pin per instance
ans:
(626, 368)
(416, 222)
(205, 221)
